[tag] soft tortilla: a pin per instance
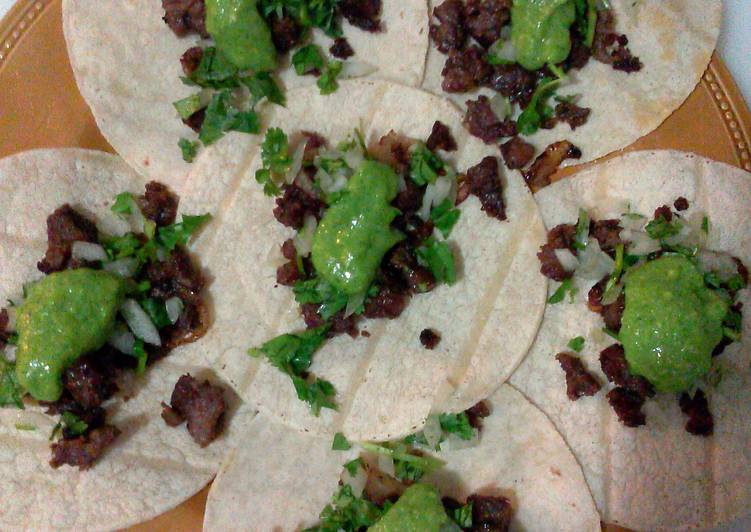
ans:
(151, 467)
(127, 65)
(656, 477)
(520, 455)
(388, 383)
(674, 40)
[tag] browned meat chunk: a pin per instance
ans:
(614, 365)
(159, 204)
(485, 183)
(289, 273)
(185, 16)
(513, 82)
(681, 204)
(627, 406)
(450, 33)
(580, 53)
(201, 404)
(465, 70)
(547, 163)
(89, 382)
(402, 272)
(191, 59)
(429, 338)
(364, 14)
(477, 413)
(440, 138)
(486, 18)
(607, 234)
(579, 382)
(387, 304)
(663, 212)
(572, 114)
(84, 450)
(482, 122)
(560, 237)
(4, 323)
(285, 32)
(517, 153)
(491, 514)
(700, 421)
(313, 144)
(612, 313)
(195, 121)
(392, 149)
(341, 48)
(65, 226)
(292, 208)
(610, 47)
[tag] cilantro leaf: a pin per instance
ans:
(317, 393)
(705, 225)
(660, 228)
(322, 15)
(340, 443)
(353, 465)
(457, 424)
(179, 233)
(276, 160)
(124, 204)
(424, 165)
(188, 106)
(319, 292)
(223, 116)
(262, 85)
(189, 149)
(157, 311)
(538, 110)
(327, 82)
(439, 259)
(140, 353)
(11, 391)
(582, 231)
(121, 247)
(307, 59)
(214, 71)
(347, 512)
(263, 177)
(567, 287)
(73, 424)
(407, 466)
(462, 516)
(444, 217)
(577, 344)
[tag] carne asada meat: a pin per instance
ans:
(579, 382)
(700, 421)
(517, 153)
(201, 404)
(363, 14)
(482, 122)
(185, 17)
(547, 163)
(83, 450)
(64, 227)
(560, 237)
(450, 32)
(485, 183)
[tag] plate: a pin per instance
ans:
(41, 108)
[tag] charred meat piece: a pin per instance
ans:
(201, 404)
(341, 48)
(429, 338)
(185, 16)
(386, 304)
(292, 208)
(547, 163)
(627, 406)
(681, 204)
(64, 227)
(364, 14)
(517, 153)
(663, 212)
(89, 382)
(159, 204)
(392, 149)
(610, 47)
(612, 314)
(440, 138)
(572, 114)
(580, 53)
(514, 82)
(450, 32)
(477, 413)
(486, 18)
(195, 121)
(313, 144)
(285, 32)
(83, 450)
(402, 271)
(4, 323)
(176, 276)
(560, 237)
(287, 274)
(490, 513)
(191, 59)
(615, 367)
(482, 122)
(485, 183)
(465, 70)
(607, 233)
(700, 421)
(579, 381)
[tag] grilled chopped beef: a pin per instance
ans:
(159, 204)
(560, 237)
(580, 53)
(514, 82)
(490, 514)
(201, 404)
(4, 332)
(700, 421)
(663, 212)
(612, 313)
(176, 276)
(607, 234)
(681, 204)
(517, 153)
(464, 70)
(610, 47)
(485, 183)
(547, 163)
(292, 208)
(486, 18)
(289, 273)
(364, 14)
(341, 48)
(429, 338)
(477, 413)
(579, 382)
(191, 59)
(386, 304)
(64, 227)
(482, 122)
(195, 121)
(392, 149)
(450, 32)
(83, 450)
(572, 114)
(185, 16)
(614, 365)
(627, 406)
(313, 144)
(285, 32)
(89, 381)
(440, 138)
(404, 272)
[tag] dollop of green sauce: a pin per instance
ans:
(241, 34)
(540, 31)
(355, 232)
(419, 509)
(65, 315)
(671, 324)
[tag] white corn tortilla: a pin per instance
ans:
(126, 62)
(520, 454)
(674, 40)
(656, 477)
(388, 383)
(150, 468)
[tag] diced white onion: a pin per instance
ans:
(303, 181)
(174, 307)
(720, 263)
(611, 296)
(140, 322)
(356, 69)
(330, 184)
(455, 443)
(386, 465)
(10, 353)
(500, 106)
(567, 259)
(503, 49)
(432, 431)
(594, 263)
(296, 165)
(353, 303)
(435, 193)
(126, 267)
(354, 157)
(304, 238)
(88, 251)
(640, 242)
(122, 340)
(634, 222)
(688, 236)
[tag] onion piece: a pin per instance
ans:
(500, 106)
(435, 193)
(567, 259)
(354, 157)
(304, 238)
(594, 263)
(126, 267)
(174, 307)
(356, 69)
(122, 340)
(353, 303)
(611, 296)
(357, 481)
(88, 251)
(455, 443)
(640, 243)
(296, 164)
(386, 465)
(432, 431)
(633, 221)
(140, 322)
(504, 50)
(720, 263)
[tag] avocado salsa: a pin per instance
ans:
(108, 305)
(234, 71)
(670, 302)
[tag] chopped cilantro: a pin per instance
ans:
(188, 106)
(124, 204)
(223, 116)
(340, 443)
(712, 280)
(424, 165)
(308, 13)
(732, 334)
(189, 149)
(615, 275)
(276, 160)
(444, 217)
(736, 282)
(660, 228)
(156, 311)
(439, 258)
(12, 339)
(705, 225)
(582, 231)
(353, 465)
(567, 287)
(73, 424)
(407, 466)
(347, 513)
(538, 110)
(262, 85)
(586, 20)
(140, 353)
(121, 247)
(11, 391)
(307, 59)
(577, 344)
(263, 177)
(319, 292)
(457, 424)
(462, 516)
(327, 82)
(214, 71)
(179, 233)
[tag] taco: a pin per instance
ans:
(145, 67)
(100, 294)
(570, 80)
(517, 473)
(642, 361)
(337, 354)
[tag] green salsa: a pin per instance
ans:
(671, 324)
(65, 315)
(419, 509)
(540, 31)
(241, 34)
(355, 232)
